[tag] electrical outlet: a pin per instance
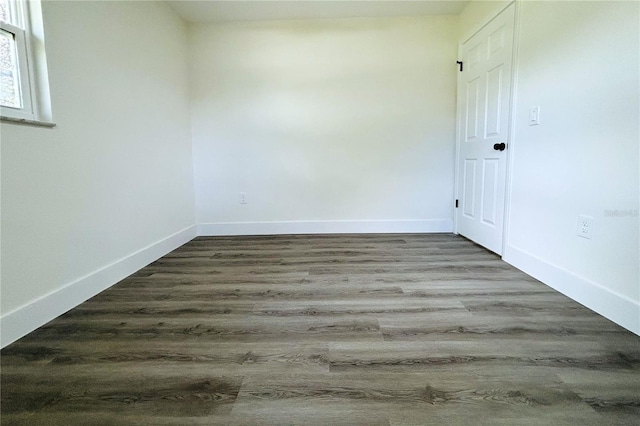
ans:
(243, 198)
(585, 227)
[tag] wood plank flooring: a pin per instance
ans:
(329, 329)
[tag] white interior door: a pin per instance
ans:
(484, 93)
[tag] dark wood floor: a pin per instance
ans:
(350, 329)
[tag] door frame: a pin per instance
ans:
(510, 121)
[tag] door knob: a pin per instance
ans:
(500, 146)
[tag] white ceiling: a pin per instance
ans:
(269, 10)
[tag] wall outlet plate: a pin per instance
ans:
(585, 227)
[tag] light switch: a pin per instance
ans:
(534, 116)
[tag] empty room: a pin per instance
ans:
(320, 212)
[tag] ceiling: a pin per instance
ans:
(266, 10)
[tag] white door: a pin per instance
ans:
(484, 87)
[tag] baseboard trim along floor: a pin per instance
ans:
(326, 227)
(616, 307)
(21, 321)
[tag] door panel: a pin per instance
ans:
(494, 95)
(490, 175)
(484, 89)
(496, 41)
(471, 116)
(474, 56)
(469, 198)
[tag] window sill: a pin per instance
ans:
(27, 122)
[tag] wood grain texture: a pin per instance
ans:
(325, 329)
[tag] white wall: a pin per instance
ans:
(327, 125)
(111, 187)
(578, 61)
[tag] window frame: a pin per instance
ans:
(33, 75)
(24, 79)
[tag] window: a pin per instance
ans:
(24, 86)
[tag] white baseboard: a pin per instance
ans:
(325, 227)
(616, 307)
(22, 321)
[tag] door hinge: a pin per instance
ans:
(461, 64)
(456, 204)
